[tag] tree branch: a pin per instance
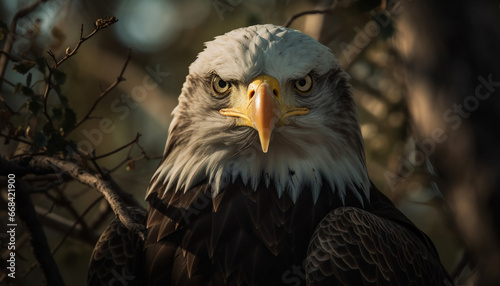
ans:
(41, 249)
(106, 188)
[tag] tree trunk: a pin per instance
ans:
(453, 76)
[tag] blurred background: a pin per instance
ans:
(164, 37)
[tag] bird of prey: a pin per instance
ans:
(264, 181)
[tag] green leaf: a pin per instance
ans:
(23, 67)
(27, 91)
(69, 120)
(34, 106)
(28, 79)
(70, 148)
(57, 113)
(23, 89)
(47, 129)
(59, 77)
(57, 88)
(40, 140)
(63, 99)
(40, 64)
(56, 143)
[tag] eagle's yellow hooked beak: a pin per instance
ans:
(263, 109)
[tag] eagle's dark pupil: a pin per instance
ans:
(222, 84)
(302, 82)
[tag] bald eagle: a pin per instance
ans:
(264, 182)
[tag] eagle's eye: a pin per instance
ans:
(220, 86)
(304, 85)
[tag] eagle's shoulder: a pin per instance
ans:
(353, 246)
(118, 254)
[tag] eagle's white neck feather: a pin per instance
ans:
(322, 147)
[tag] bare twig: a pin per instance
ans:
(143, 151)
(9, 57)
(329, 9)
(63, 201)
(16, 139)
(128, 159)
(294, 17)
(48, 86)
(11, 84)
(136, 140)
(99, 25)
(48, 186)
(65, 225)
(45, 178)
(119, 79)
(86, 233)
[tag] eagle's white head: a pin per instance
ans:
(266, 104)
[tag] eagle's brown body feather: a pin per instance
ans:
(245, 237)
(242, 237)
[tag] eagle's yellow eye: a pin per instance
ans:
(220, 86)
(304, 85)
